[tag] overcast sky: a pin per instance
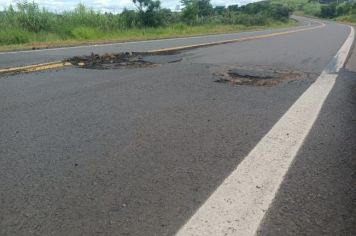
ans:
(111, 5)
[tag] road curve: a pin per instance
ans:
(140, 151)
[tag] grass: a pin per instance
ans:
(88, 35)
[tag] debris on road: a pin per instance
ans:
(124, 60)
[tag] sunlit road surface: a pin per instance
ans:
(188, 147)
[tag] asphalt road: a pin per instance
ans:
(139, 151)
(21, 58)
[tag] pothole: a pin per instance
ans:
(257, 77)
(124, 60)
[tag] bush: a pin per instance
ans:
(279, 12)
(312, 9)
(14, 36)
(249, 20)
(348, 18)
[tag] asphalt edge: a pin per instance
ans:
(33, 68)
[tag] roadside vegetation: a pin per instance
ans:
(342, 10)
(28, 24)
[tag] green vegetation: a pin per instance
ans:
(343, 10)
(28, 24)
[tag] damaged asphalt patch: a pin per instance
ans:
(258, 76)
(124, 60)
(252, 76)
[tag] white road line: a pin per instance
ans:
(239, 204)
(144, 41)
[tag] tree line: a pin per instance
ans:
(340, 9)
(332, 9)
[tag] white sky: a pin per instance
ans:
(111, 5)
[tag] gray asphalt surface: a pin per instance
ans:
(137, 151)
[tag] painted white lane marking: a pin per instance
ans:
(151, 41)
(240, 202)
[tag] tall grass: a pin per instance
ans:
(28, 23)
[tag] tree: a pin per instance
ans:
(190, 10)
(233, 7)
(328, 11)
(219, 10)
(204, 8)
(196, 8)
(185, 3)
(279, 12)
(148, 11)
